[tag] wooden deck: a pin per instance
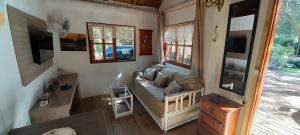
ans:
(266, 125)
(279, 108)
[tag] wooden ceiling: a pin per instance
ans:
(148, 3)
(144, 3)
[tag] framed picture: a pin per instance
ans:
(145, 42)
(1, 13)
(73, 42)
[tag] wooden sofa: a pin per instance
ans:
(172, 110)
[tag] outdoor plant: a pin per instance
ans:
(286, 49)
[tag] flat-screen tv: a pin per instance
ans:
(237, 44)
(41, 45)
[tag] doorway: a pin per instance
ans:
(278, 111)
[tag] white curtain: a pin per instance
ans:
(161, 27)
(197, 57)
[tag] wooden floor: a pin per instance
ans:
(140, 123)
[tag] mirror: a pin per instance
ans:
(238, 46)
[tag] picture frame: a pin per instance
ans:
(145, 42)
(73, 42)
(1, 13)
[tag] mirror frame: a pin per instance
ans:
(242, 92)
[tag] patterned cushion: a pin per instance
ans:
(169, 73)
(158, 67)
(149, 74)
(161, 80)
(181, 78)
(192, 84)
(173, 87)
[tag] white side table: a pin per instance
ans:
(122, 101)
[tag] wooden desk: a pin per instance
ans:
(218, 115)
(89, 123)
(61, 103)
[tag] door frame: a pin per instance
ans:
(264, 64)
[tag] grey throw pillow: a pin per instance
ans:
(161, 80)
(149, 74)
(169, 73)
(158, 67)
(173, 87)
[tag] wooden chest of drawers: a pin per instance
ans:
(218, 115)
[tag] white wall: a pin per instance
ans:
(213, 54)
(95, 79)
(180, 13)
(16, 100)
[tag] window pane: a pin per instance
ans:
(99, 41)
(181, 35)
(108, 34)
(167, 35)
(125, 52)
(168, 52)
(125, 42)
(173, 53)
(98, 51)
(189, 34)
(97, 34)
(109, 51)
(125, 32)
(187, 55)
(180, 54)
(173, 35)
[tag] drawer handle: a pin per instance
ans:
(211, 109)
(221, 125)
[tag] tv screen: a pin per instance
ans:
(41, 45)
(237, 44)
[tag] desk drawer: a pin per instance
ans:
(203, 129)
(211, 122)
(213, 111)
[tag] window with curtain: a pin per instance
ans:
(178, 41)
(111, 43)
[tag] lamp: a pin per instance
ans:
(210, 3)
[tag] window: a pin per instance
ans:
(111, 43)
(178, 44)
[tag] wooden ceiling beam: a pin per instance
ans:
(147, 3)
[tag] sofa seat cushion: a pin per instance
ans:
(149, 86)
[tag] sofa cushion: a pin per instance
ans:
(149, 86)
(181, 78)
(158, 67)
(172, 88)
(169, 73)
(149, 74)
(192, 84)
(161, 80)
